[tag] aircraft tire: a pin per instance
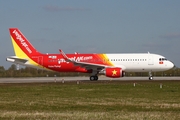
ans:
(150, 77)
(93, 78)
(96, 78)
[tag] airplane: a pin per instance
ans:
(111, 65)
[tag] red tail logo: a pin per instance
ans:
(22, 42)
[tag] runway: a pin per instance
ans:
(69, 79)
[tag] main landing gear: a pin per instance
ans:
(150, 76)
(93, 78)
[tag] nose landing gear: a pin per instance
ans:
(150, 76)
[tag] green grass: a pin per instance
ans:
(111, 100)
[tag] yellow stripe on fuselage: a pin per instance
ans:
(106, 57)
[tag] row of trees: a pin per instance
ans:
(32, 72)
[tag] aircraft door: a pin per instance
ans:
(39, 59)
(150, 59)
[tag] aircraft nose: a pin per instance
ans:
(171, 65)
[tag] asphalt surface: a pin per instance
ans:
(64, 79)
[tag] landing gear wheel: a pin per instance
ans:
(151, 78)
(96, 78)
(93, 78)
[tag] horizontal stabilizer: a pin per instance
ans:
(16, 60)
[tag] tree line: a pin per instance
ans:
(33, 72)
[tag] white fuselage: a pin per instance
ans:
(144, 62)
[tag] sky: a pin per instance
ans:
(93, 26)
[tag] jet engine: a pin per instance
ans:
(114, 72)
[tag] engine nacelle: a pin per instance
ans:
(114, 72)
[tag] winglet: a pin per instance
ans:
(65, 56)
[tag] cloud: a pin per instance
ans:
(51, 8)
(171, 36)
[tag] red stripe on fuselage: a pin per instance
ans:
(56, 62)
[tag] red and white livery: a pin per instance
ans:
(111, 65)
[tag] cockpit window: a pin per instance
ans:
(162, 59)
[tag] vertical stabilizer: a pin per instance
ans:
(22, 47)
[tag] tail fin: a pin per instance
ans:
(25, 53)
(22, 46)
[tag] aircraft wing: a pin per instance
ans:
(84, 64)
(90, 65)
